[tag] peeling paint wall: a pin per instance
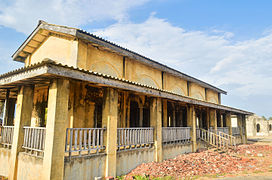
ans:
(143, 74)
(212, 96)
(29, 167)
(175, 84)
(172, 150)
(129, 160)
(4, 161)
(84, 168)
(58, 48)
(196, 91)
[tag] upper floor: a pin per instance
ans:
(74, 47)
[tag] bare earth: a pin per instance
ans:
(251, 161)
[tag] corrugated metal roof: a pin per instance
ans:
(50, 62)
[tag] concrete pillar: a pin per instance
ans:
(165, 119)
(191, 122)
(22, 118)
(174, 116)
(239, 123)
(57, 120)
(156, 123)
(128, 113)
(228, 123)
(244, 128)
(109, 121)
(124, 110)
(6, 108)
(208, 118)
(213, 119)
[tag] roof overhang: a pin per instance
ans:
(48, 70)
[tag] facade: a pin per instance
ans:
(258, 126)
(86, 108)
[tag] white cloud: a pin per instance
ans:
(245, 67)
(23, 15)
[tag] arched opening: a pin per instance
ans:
(258, 128)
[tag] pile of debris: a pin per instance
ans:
(206, 162)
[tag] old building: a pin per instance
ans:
(86, 108)
(258, 126)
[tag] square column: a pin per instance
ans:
(228, 123)
(57, 120)
(208, 118)
(244, 129)
(213, 119)
(165, 119)
(22, 118)
(109, 121)
(239, 122)
(156, 123)
(191, 122)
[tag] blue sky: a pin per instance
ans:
(227, 43)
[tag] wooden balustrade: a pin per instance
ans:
(84, 141)
(176, 135)
(134, 138)
(6, 136)
(34, 140)
(220, 141)
(220, 129)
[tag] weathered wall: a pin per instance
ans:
(196, 91)
(92, 58)
(4, 161)
(61, 49)
(252, 124)
(39, 106)
(172, 150)
(29, 167)
(84, 168)
(212, 96)
(143, 74)
(175, 84)
(129, 160)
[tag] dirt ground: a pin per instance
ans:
(251, 161)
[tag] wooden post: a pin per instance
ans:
(208, 118)
(165, 119)
(124, 110)
(141, 120)
(109, 121)
(228, 122)
(213, 119)
(6, 106)
(23, 118)
(239, 122)
(244, 128)
(57, 120)
(156, 123)
(191, 122)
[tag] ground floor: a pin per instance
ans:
(72, 124)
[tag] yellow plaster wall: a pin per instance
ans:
(175, 84)
(129, 160)
(60, 49)
(196, 91)
(143, 74)
(84, 168)
(92, 58)
(212, 96)
(172, 150)
(4, 161)
(29, 167)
